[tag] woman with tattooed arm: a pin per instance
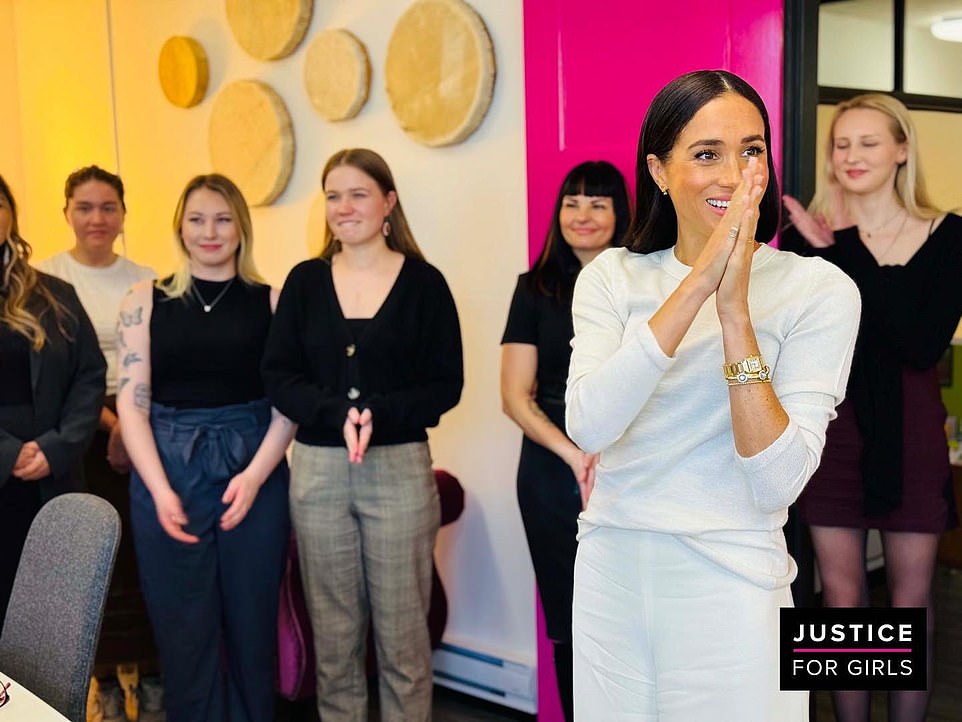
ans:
(209, 486)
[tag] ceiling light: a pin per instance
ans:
(948, 29)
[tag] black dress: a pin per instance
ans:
(548, 492)
(885, 464)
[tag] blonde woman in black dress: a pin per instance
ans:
(885, 464)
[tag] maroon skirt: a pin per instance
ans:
(833, 497)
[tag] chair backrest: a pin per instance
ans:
(53, 620)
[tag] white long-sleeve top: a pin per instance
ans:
(663, 424)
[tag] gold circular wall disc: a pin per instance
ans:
(337, 74)
(183, 71)
(440, 71)
(252, 140)
(269, 29)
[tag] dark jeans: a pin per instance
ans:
(213, 604)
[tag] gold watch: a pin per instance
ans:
(750, 370)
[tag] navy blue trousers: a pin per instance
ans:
(213, 604)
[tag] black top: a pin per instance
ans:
(205, 360)
(405, 366)
(67, 382)
(545, 323)
(909, 314)
(15, 366)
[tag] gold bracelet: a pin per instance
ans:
(750, 370)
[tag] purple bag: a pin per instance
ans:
(295, 641)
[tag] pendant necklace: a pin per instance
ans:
(868, 234)
(883, 254)
(208, 307)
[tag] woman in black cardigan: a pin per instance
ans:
(364, 355)
(885, 464)
(50, 395)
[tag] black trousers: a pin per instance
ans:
(19, 503)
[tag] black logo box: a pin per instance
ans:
(836, 649)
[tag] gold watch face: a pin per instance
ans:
(753, 364)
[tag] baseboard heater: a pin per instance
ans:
(487, 676)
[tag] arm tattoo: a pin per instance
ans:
(142, 396)
(131, 358)
(120, 338)
(134, 318)
(121, 382)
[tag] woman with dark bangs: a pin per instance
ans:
(555, 477)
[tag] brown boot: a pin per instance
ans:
(129, 678)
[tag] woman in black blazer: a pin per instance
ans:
(51, 390)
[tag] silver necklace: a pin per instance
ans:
(208, 307)
(868, 234)
(891, 244)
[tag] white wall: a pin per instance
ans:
(932, 66)
(854, 51)
(466, 205)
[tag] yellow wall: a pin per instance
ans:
(66, 114)
(11, 159)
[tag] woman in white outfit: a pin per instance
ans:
(705, 369)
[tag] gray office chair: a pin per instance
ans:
(53, 620)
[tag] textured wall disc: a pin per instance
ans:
(440, 71)
(251, 140)
(337, 74)
(183, 71)
(269, 29)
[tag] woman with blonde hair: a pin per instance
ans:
(51, 394)
(365, 355)
(209, 487)
(885, 464)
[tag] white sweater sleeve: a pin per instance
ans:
(810, 379)
(612, 373)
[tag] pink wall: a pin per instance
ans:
(591, 69)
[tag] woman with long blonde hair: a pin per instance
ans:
(885, 464)
(51, 394)
(209, 486)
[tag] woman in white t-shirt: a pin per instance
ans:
(94, 208)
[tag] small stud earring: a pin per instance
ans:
(664, 191)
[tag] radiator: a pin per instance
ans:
(487, 676)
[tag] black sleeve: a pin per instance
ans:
(522, 325)
(80, 411)
(440, 363)
(286, 369)
(10, 447)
